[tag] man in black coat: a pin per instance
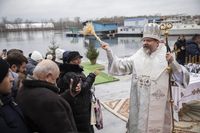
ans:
(193, 46)
(179, 48)
(81, 103)
(11, 118)
(44, 110)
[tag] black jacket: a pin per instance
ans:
(80, 104)
(44, 110)
(179, 47)
(192, 48)
(11, 118)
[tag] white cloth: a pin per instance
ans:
(149, 98)
(191, 93)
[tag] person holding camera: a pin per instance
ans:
(80, 103)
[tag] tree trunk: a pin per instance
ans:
(93, 61)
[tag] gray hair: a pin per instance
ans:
(42, 69)
(45, 67)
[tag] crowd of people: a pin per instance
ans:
(187, 51)
(53, 95)
(44, 95)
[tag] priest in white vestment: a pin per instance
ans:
(150, 110)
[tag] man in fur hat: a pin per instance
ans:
(81, 103)
(149, 98)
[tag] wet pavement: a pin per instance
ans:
(111, 91)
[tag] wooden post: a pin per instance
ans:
(193, 60)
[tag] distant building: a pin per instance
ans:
(104, 29)
(136, 22)
(29, 26)
(134, 26)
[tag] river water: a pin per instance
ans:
(41, 40)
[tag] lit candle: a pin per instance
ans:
(190, 59)
(199, 59)
(193, 60)
(186, 60)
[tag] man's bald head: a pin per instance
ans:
(46, 70)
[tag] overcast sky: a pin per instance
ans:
(91, 9)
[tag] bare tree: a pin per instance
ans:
(77, 22)
(4, 20)
(28, 24)
(18, 21)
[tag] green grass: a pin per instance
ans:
(88, 66)
(102, 77)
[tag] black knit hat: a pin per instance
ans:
(70, 55)
(4, 67)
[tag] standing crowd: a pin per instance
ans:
(187, 51)
(44, 96)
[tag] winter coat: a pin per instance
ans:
(179, 47)
(80, 104)
(44, 110)
(30, 66)
(11, 118)
(192, 48)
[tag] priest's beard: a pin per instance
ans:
(146, 50)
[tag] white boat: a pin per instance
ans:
(180, 28)
(129, 30)
(134, 27)
(184, 29)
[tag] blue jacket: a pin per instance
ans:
(192, 49)
(14, 87)
(11, 118)
(30, 66)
